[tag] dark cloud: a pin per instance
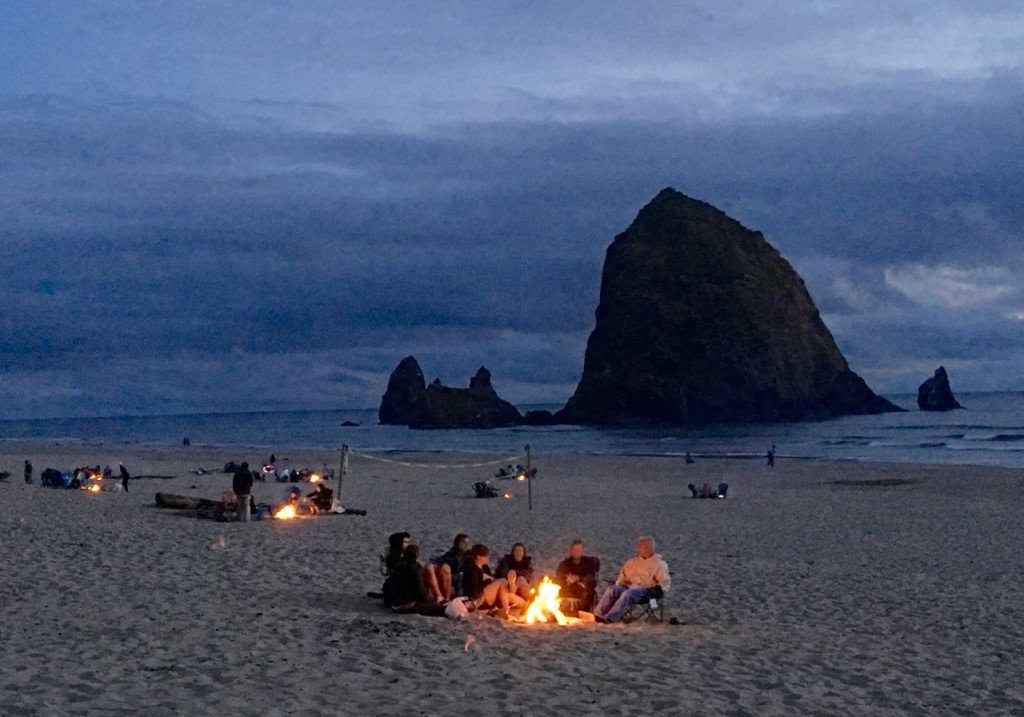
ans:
(455, 201)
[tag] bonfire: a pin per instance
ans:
(545, 606)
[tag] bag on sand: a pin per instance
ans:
(456, 610)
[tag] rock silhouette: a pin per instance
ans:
(409, 401)
(935, 393)
(701, 321)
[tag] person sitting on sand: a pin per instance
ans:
(444, 573)
(404, 590)
(516, 569)
(706, 491)
(397, 543)
(321, 499)
(644, 577)
(482, 589)
(577, 575)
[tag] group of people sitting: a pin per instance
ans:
(463, 573)
(706, 491)
(79, 478)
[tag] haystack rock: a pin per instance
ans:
(702, 321)
(409, 401)
(935, 393)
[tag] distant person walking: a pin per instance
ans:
(125, 476)
(241, 484)
(771, 456)
(28, 471)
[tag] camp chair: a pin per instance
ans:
(650, 610)
(572, 605)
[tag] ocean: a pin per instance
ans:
(990, 431)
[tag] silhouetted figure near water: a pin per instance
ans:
(28, 471)
(125, 476)
(771, 456)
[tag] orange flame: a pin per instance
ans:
(314, 478)
(546, 604)
(507, 496)
(288, 512)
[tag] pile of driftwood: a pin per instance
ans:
(202, 507)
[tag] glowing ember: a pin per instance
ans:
(507, 496)
(94, 488)
(288, 512)
(314, 478)
(546, 605)
(521, 476)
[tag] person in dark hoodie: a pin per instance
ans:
(517, 570)
(241, 484)
(397, 543)
(405, 590)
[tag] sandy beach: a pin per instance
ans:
(815, 588)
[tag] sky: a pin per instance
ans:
(236, 206)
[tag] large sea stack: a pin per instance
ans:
(409, 401)
(702, 321)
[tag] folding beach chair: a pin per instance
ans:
(650, 610)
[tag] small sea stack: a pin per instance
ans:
(935, 394)
(409, 401)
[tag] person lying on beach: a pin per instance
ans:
(577, 575)
(482, 589)
(516, 569)
(644, 577)
(444, 573)
(405, 591)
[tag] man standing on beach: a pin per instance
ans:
(241, 484)
(28, 471)
(125, 477)
(644, 577)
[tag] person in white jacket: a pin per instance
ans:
(641, 578)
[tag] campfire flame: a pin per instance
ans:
(314, 478)
(91, 481)
(507, 496)
(546, 604)
(288, 512)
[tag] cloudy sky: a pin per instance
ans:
(206, 206)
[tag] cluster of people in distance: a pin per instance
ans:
(81, 476)
(319, 500)
(463, 572)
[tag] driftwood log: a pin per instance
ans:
(185, 502)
